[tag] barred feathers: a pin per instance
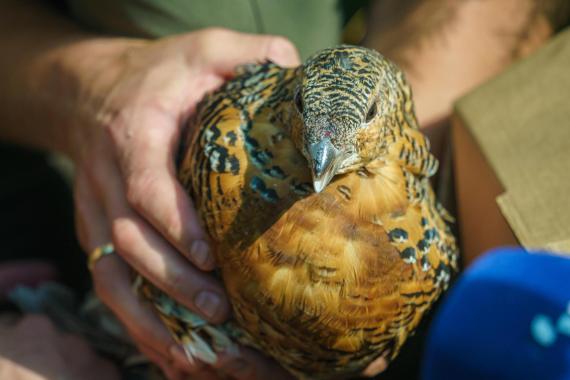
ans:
(323, 282)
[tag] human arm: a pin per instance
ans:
(115, 106)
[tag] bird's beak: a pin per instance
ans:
(325, 159)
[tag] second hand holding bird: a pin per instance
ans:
(132, 96)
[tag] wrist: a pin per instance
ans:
(45, 66)
(74, 82)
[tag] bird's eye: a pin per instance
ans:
(299, 102)
(371, 112)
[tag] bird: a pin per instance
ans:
(313, 183)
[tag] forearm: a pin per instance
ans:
(448, 49)
(46, 68)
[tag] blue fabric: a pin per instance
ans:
(506, 318)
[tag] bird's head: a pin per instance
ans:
(345, 97)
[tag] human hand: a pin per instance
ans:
(132, 99)
(34, 349)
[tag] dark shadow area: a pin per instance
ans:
(36, 208)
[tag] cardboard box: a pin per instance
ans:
(511, 153)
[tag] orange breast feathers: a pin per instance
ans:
(323, 282)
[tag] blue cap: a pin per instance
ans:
(507, 317)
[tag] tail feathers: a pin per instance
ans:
(206, 348)
(200, 340)
(221, 341)
(197, 348)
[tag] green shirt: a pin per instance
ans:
(310, 24)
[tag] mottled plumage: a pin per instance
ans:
(323, 281)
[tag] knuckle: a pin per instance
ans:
(125, 234)
(111, 129)
(283, 44)
(208, 40)
(178, 282)
(113, 134)
(154, 136)
(146, 193)
(173, 227)
(113, 122)
(214, 33)
(281, 50)
(139, 187)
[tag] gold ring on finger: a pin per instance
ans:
(97, 253)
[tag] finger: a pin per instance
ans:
(90, 220)
(112, 283)
(150, 255)
(153, 190)
(226, 49)
(251, 365)
(157, 261)
(111, 277)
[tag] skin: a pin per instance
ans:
(33, 349)
(115, 107)
(448, 49)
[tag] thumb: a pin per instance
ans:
(227, 49)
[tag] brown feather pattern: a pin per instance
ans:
(323, 282)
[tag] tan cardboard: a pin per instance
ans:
(511, 141)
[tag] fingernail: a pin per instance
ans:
(208, 303)
(200, 252)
